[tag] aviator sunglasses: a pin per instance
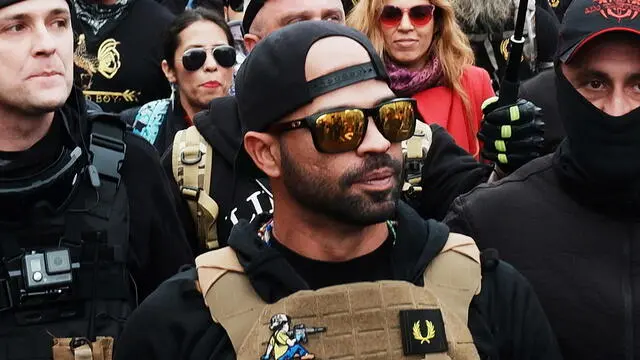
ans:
(419, 15)
(343, 129)
(193, 59)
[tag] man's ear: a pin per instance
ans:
(250, 41)
(264, 151)
(168, 72)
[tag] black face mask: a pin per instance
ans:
(606, 148)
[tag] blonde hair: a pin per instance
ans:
(449, 42)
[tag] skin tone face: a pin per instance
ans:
(198, 88)
(606, 71)
(336, 204)
(36, 48)
(276, 14)
(406, 43)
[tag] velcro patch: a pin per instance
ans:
(422, 332)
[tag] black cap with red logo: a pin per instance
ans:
(587, 19)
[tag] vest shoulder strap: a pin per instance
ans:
(455, 274)
(415, 149)
(192, 163)
(228, 293)
(108, 148)
(107, 145)
(149, 119)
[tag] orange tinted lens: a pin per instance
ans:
(339, 131)
(397, 120)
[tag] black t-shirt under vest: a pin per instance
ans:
(119, 68)
(318, 274)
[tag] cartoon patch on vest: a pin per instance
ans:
(286, 342)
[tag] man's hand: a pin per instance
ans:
(512, 135)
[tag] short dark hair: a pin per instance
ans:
(186, 19)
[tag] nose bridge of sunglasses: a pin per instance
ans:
(407, 19)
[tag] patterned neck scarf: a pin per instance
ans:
(95, 15)
(405, 82)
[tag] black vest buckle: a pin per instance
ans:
(108, 149)
(6, 298)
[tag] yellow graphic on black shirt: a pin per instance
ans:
(417, 333)
(106, 63)
(505, 49)
(554, 3)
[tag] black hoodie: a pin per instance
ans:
(174, 323)
(570, 221)
(447, 172)
(158, 244)
(238, 197)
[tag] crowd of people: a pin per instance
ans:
(289, 179)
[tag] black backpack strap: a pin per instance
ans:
(107, 148)
(129, 117)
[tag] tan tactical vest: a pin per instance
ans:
(192, 159)
(376, 320)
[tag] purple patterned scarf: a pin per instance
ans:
(405, 82)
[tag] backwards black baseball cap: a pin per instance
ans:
(4, 3)
(250, 13)
(271, 83)
(587, 19)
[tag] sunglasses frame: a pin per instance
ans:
(310, 121)
(235, 5)
(431, 7)
(206, 51)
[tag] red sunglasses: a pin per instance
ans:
(419, 15)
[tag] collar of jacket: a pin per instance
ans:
(74, 113)
(176, 115)
(273, 278)
(220, 126)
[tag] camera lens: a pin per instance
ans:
(58, 261)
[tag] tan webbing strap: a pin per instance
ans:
(83, 353)
(223, 283)
(455, 274)
(192, 161)
(101, 349)
(415, 149)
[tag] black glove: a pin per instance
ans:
(512, 135)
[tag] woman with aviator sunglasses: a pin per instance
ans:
(199, 60)
(429, 58)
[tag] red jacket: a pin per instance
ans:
(440, 105)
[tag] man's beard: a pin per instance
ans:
(483, 14)
(332, 199)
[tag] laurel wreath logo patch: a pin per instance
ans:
(423, 332)
(417, 332)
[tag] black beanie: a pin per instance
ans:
(4, 3)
